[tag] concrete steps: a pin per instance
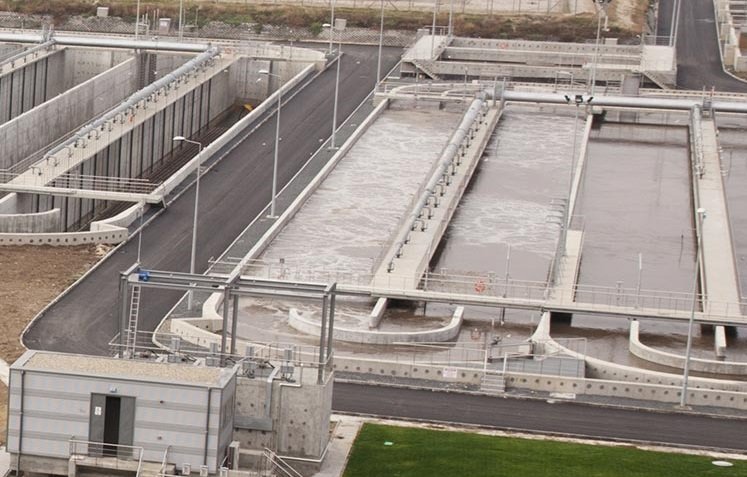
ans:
(493, 384)
(427, 68)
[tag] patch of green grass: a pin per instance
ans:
(418, 452)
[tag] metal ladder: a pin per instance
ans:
(129, 350)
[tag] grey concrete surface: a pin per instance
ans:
(542, 416)
(231, 195)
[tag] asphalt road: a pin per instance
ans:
(231, 196)
(698, 58)
(540, 416)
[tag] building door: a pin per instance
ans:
(112, 425)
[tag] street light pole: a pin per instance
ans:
(601, 8)
(381, 42)
(676, 22)
(331, 23)
(190, 297)
(277, 139)
(181, 19)
(700, 216)
(337, 79)
(137, 20)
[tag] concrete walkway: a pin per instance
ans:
(564, 290)
(719, 275)
(404, 265)
(339, 449)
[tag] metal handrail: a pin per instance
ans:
(162, 472)
(279, 464)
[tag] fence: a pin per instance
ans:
(115, 456)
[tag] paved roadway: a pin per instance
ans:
(698, 58)
(536, 415)
(231, 196)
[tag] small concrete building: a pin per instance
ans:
(95, 413)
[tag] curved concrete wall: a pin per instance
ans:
(39, 222)
(446, 333)
(672, 360)
(605, 370)
(121, 220)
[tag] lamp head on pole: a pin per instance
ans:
(179, 138)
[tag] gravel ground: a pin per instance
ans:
(31, 278)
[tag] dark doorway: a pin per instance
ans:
(111, 425)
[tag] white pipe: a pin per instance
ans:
(70, 40)
(141, 95)
(623, 101)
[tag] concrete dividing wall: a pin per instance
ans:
(81, 64)
(48, 221)
(244, 76)
(676, 361)
(9, 203)
(43, 125)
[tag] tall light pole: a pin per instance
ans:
(381, 43)
(700, 216)
(277, 139)
(181, 19)
(190, 297)
(675, 22)
(602, 7)
(433, 29)
(331, 22)
(137, 20)
(339, 25)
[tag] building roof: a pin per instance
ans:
(129, 369)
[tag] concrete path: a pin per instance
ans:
(339, 448)
(404, 264)
(564, 290)
(719, 282)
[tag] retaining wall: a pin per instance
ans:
(65, 238)
(48, 221)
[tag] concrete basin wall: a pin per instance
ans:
(711, 366)
(446, 333)
(48, 221)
